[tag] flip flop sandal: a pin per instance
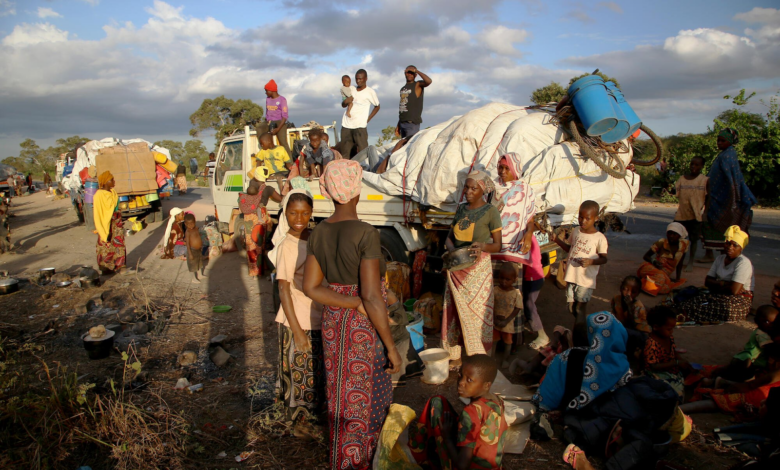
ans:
(612, 440)
(570, 455)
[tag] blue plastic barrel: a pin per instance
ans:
(621, 128)
(632, 120)
(593, 104)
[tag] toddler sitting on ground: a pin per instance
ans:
(440, 440)
(561, 341)
(630, 311)
(662, 360)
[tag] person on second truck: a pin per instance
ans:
(275, 115)
(411, 105)
(353, 128)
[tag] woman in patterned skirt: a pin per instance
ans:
(360, 355)
(111, 251)
(730, 283)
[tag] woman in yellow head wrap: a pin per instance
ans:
(111, 251)
(730, 283)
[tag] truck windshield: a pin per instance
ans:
(231, 159)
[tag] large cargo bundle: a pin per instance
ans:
(133, 167)
(430, 167)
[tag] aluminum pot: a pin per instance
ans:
(459, 259)
(8, 286)
(47, 273)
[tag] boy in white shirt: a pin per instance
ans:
(587, 250)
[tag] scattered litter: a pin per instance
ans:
(187, 358)
(222, 308)
(31, 317)
(195, 388)
(244, 455)
(222, 455)
(56, 306)
(219, 357)
(182, 384)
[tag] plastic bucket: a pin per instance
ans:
(634, 122)
(593, 104)
(89, 195)
(91, 183)
(415, 329)
(437, 365)
(621, 129)
(409, 305)
(123, 198)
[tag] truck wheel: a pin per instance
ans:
(393, 247)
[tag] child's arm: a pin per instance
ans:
(649, 257)
(461, 458)
(562, 243)
(761, 379)
(602, 259)
(500, 323)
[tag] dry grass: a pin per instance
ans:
(48, 420)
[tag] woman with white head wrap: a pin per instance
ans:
(664, 259)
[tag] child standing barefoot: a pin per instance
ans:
(346, 91)
(691, 191)
(194, 248)
(507, 304)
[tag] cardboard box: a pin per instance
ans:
(132, 166)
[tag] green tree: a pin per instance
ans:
(224, 116)
(18, 163)
(69, 143)
(388, 135)
(553, 92)
(606, 78)
(176, 149)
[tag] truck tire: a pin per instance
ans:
(393, 247)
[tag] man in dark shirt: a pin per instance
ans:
(411, 105)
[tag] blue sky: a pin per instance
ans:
(139, 69)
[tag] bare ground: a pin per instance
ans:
(181, 318)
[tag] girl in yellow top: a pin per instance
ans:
(111, 251)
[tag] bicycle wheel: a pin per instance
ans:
(598, 157)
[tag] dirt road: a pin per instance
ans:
(46, 234)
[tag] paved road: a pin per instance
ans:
(647, 223)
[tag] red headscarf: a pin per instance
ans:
(271, 86)
(512, 161)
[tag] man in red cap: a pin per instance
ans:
(275, 115)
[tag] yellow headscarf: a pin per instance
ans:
(736, 235)
(104, 178)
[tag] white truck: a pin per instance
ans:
(398, 219)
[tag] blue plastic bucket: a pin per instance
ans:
(415, 330)
(91, 183)
(89, 195)
(619, 132)
(593, 104)
(632, 120)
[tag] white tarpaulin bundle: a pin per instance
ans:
(434, 162)
(86, 157)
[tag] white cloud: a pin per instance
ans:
(501, 40)
(44, 12)
(26, 34)
(7, 8)
(611, 6)
(769, 33)
(91, 2)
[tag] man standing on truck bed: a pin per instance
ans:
(275, 115)
(411, 106)
(353, 127)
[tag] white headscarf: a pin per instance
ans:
(678, 228)
(284, 227)
(174, 212)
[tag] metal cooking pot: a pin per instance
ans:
(47, 273)
(87, 281)
(88, 273)
(459, 259)
(8, 286)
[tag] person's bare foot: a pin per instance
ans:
(196, 281)
(575, 457)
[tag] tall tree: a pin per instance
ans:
(224, 116)
(388, 135)
(176, 149)
(548, 94)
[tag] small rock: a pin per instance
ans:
(182, 383)
(124, 343)
(46, 296)
(140, 328)
(219, 339)
(219, 357)
(187, 358)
